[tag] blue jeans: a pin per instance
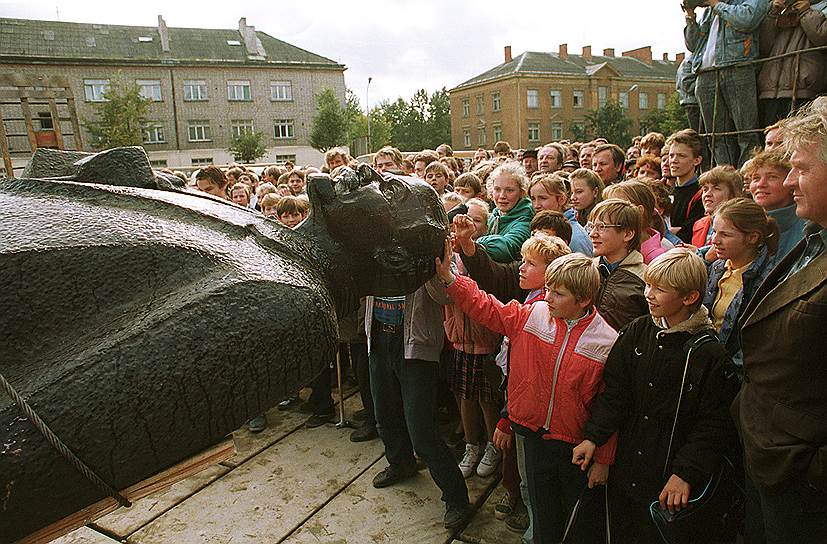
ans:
(737, 109)
(797, 513)
(405, 401)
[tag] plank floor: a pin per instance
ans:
(298, 486)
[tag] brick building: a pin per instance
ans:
(206, 85)
(539, 97)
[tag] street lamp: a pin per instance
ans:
(367, 108)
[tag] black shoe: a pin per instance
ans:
(392, 475)
(455, 515)
(317, 420)
(364, 433)
(287, 403)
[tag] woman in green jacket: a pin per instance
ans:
(510, 223)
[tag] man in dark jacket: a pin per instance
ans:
(782, 407)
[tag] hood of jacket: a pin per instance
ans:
(521, 211)
(696, 323)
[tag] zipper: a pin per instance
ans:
(557, 363)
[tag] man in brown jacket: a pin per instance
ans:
(781, 411)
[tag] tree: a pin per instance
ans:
(121, 118)
(422, 123)
(610, 122)
(248, 146)
(668, 120)
(330, 124)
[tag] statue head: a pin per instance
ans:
(393, 225)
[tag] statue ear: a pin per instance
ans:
(320, 189)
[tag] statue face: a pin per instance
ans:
(395, 225)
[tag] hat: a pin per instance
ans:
(571, 164)
(530, 153)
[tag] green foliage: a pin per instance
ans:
(610, 122)
(331, 124)
(667, 121)
(121, 118)
(424, 122)
(248, 146)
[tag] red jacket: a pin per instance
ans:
(700, 230)
(555, 372)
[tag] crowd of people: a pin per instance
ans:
(618, 331)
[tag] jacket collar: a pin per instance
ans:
(632, 263)
(785, 217)
(697, 322)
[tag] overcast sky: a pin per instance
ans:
(404, 45)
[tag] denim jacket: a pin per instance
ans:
(737, 38)
(753, 276)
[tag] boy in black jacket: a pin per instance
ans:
(661, 457)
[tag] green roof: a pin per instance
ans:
(541, 63)
(56, 42)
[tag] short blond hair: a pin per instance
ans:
(545, 247)
(512, 169)
(575, 272)
(680, 269)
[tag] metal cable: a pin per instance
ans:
(58, 445)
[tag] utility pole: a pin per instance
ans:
(367, 108)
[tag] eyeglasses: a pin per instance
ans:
(600, 226)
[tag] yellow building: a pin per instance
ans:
(540, 97)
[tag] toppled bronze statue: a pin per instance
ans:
(144, 325)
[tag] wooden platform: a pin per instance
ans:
(296, 485)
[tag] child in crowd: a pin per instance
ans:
(552, 223)
(283, 189)
(296, 182)
(661, 363)
(586, 192)
(614, 227)
(548, 403)
(745, 239)
(508, 225)
(437, 176)
(212, 180)
(291, 211)
(240, 194)
(469, 186)
(548, 192)
(648, 167)
(684, 159)
(652, 243)
(718, 185)
(269, 204)
(451, 200)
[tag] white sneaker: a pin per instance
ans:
(469, 460)
(489, 461)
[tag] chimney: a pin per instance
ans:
(587, 52)
(679, 58)
(164, 34)
(252, 44)
(666, 57)
(564, 51)
(643, 54)
(609, 52)
(507, 53)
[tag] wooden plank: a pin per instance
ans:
(146, 487)
(269, 495)
(73, 115)
(56, 122)
(484, 528)
(84, 535)
(4, 149)
(27, 115)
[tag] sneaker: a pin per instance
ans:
(317, 420)
(490, 460)
(364, 433)
(257, 424)
(287, 403)
(455, 515)
(518, 520)
(392, 475)
(505, 507)
(469, 460)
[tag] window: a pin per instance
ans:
(203, 161)
(466, 107)
(95, 89)
(150, 88)
(195, 90)
(643, 101)
(154, 133)
(661, 101)
(557, 131)
(533, 98)
(466, 137)
(283, 128)
(238, 90)
(481, 136)
(158, 163)
(623, 98)
(241, 126)
(281, 91)
(44, 119)
(199, 130)
(579, 99)
(285, 158)
(602, 96)
(480, 105)
(498, 133)
(496, 102)
(534, 132)
(556, 99)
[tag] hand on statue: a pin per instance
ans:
(443, 265)
(675, 494)
(464, 227)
